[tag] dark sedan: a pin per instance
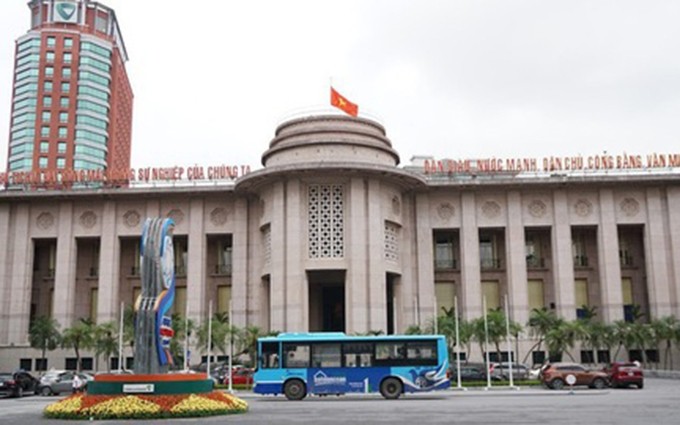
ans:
(17, 384)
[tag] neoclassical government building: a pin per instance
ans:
(333, 234)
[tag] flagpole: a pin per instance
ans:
(507, 336)
(231, 350)
(186, 336)
(460, 385)
(120, 337)
(209, 339)
(486, 341)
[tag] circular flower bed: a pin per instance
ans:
(84, 406)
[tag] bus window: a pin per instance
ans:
(358, 354)
(422, 353)
(390, 351)
(326, 355)
(295, 355)
(270, 355)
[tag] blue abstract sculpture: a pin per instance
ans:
(153, 326)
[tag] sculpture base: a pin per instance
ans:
(147, 397)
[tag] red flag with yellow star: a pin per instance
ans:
(340, 102)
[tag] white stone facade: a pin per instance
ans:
(331, 220)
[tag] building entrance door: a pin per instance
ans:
(327, 301)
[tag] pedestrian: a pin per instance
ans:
(77, 383)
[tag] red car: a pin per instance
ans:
(241, 376)
(625, 374)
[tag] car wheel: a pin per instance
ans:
(45, 391)
(599, 384)
(641, 385)
(295, 390)
(557, 384)
(391, 388)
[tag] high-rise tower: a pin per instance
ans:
(72, 100)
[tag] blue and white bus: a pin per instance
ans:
(297, 364)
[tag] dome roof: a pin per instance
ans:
(330, 138)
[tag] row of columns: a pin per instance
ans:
(662, 237)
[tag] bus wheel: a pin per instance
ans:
(295, 390)
(391, 388)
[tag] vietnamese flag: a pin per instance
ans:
(340, 102)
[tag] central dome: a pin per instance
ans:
(330, 138)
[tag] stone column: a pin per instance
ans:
(239, 274)
(4, 272)
(608, 255)
(516, 257)
(563, 261)
(657, 251)
(673, 195)
(297, 293)
(277, 282)
(377, 291)
(21, 256)
(471, 285)
(425, 261)
(357, 251)
(65, 273)
(196, 273)
(108, 298)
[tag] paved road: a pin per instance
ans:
(657, 404)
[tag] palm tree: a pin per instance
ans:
(249, 337)
(414, 330)
(129, 317)
(541, 321)
(218, 334)
(79, 337)
(44, 335)
(664, 329)
(105, 342)
(183, 329)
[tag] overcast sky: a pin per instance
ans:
(452, 79)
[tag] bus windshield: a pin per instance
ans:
(333, 363)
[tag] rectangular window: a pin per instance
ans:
(581, 299)
(61, 147)
(46, 116)
(487, 252)
(42, 162)
(390, 351)
(491, 290)
(67, 57)
(51, 41)
(44, 146)
(64, 102)
(68, 42)
(65, 87)
(47, 86)
(47, 101)
(270, 355)
(26, 364)
(180, 304)
(445, 293)
(295, 355)
(326, 355)
(536, 294)
(63, 117)
(63, 132)
(358, 354)
(223, 298)
(49, 71)
(443, 250)
(45, 131)
(66, 73)
(61, 163)
(49, 57)
(94, 292)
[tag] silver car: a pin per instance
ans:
(60, 381)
